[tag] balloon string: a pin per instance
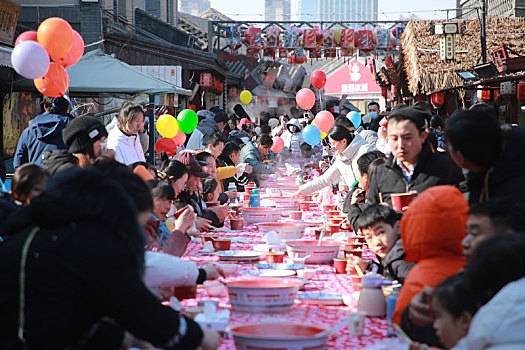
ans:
(64, 94)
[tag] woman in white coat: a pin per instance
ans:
(124, 139)
(348, 148)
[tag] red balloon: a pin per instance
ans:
(179, 138)
(318, 79)
(75, 53)
(278, 145)
(324, 120)
(55, 83)
(167, 145)
(305, 98)
(26, 36)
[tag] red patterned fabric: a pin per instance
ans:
(325, 281)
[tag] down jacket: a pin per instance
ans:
(345, 165)
(499, 324)
(432, 229)
(206, 127)
(128, 149)
(250, 154)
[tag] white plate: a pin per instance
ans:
(320, 298)
(238, 255)
(269, 273)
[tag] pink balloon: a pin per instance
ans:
(324, 120)
(25, 36)
(278, 145)
(305, 98)
(318, 78)
(75, 53)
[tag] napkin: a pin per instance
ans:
(208, 247)
(271, 238)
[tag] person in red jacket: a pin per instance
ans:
(431, 231)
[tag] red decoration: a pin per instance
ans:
(438, 99)
(521, 91)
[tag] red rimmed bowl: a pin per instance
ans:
(284, 202)
(257, 215)
(263, 294)
(284, 230)
(329, 207)
(277, 335)
(323, 254)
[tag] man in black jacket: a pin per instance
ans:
(493, 155)
(412, 166)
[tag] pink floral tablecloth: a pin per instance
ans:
(325, 280)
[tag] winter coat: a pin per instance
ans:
(506, 177)
(165, 271)
(58, 161)
(84, 263)
(206, 127)
(175, 245)
(394, 266)
(345, 165)
(144, 137)
(128, 149)
(250, 154)
(225, 171)
(432, 229)
(293, 141)
(432, 169)
(8, 206)
(44, 133)
(370, 136)
(194, 200)
(238, 180)
(499, 324)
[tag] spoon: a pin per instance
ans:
(321, 236)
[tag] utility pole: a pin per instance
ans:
(484, 30)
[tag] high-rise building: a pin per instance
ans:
(338, 10)
(471, 9)
(277, 10)
(308, 10)
(194, 7)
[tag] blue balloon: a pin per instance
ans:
(373, 115)
(355, 118)
(312, 135)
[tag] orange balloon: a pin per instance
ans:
(56, 36)
(55, 82)
(75, 53)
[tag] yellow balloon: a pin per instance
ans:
(167, 125)
(246, 97)
(323, 134)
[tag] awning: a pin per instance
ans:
(5, 56)
(97, 72)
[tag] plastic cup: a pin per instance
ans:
(340, 265)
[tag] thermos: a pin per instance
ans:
(255, 199)
(390, 307)
(371, 299)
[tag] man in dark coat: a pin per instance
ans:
(412, 166)
(493, 154)
(83, 251)
(44, 132)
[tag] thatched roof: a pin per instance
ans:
(425, 72)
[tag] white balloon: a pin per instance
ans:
(30, 60)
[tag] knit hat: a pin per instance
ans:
(273, 122)
(82, 132)
(191, 163)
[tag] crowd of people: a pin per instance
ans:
(88, 219)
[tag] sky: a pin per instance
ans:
(388, 9)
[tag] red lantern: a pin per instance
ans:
(384, 91)
(438, 99)
(485, 94)
(521, 91)
(206, 80)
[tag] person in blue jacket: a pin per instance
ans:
(44, 132)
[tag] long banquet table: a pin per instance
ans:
(325, 280)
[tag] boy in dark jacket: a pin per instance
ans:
(380, 226)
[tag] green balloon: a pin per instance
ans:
(187, 120)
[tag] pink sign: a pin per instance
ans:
(352, 79)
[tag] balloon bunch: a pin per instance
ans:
(54, 39)
(174, 130)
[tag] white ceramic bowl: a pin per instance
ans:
(284, 202)
(284, 230)
(263, 294)
(323, 254)
(306, 274)
(229, 269)
(214, 289)
(257, 215)
(277, 335)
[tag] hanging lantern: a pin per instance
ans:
(291, 39)
(283, 53)
(383, 39)
(365, 40)
(347, 38)
(521, 91)
(384, 91)
(309, 39)
(272, 34)
(397, 31)
(253, 39)
(329, 43)
(438, 99)
(233, 39)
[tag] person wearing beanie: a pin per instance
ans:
(411, 166)
(44, 132)
(432, 230)
(84, 136)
